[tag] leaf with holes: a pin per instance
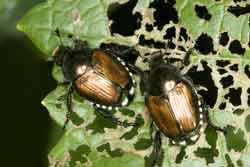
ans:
(219, 31)
(212, 18)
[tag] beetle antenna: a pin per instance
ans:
(186, 58)
(60, 51)
(58, 34)
(156, 58)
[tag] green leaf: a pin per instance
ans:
(247, 123)
(193, 163)
(221, 20)
(124, 161)
(71, 141)
(245, 159)
(57, 74)
(83, 135)
(85, 19)
(222, 119)
(55, 102)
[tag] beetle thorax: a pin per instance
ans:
(169, 85)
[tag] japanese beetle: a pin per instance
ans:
(99, 75)
(173, 103)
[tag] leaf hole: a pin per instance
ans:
(170, 33)
(202, 12)
(224, 38)
(222, 106)
(124, 21)
(234, 96)
(183, 34)
(239, 10)
(235, 47)
(227, 81)
(234, 67)
(181, 48)
(222, 71)
(204, 44)
(205, 79)
(247, 71)
(164, 12)
(151, 43)
(222, 63)
(149, 27)
(238, 111)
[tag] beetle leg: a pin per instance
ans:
(143, 75)
(135, 69)
(209, 121)
(151, 130)
(157, 150)
(69, 106)
(130, 93)
(58, 34)
(128, 54)
(188, 79)
(110, 116)
(186, 59)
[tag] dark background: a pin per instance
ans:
(28, 131)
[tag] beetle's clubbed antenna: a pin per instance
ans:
(156, 58)
(58, 34)
(186, 59)
(60, 51)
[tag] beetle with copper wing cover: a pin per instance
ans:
(99, 75)
(173, 103)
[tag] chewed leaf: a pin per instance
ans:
(71, 141)
(55, 102)
(85, 19)
(219, 64)
(124, 161)
(194, 163)
(222, 119)
(245, 159)
(57, 74)
(216, 20)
